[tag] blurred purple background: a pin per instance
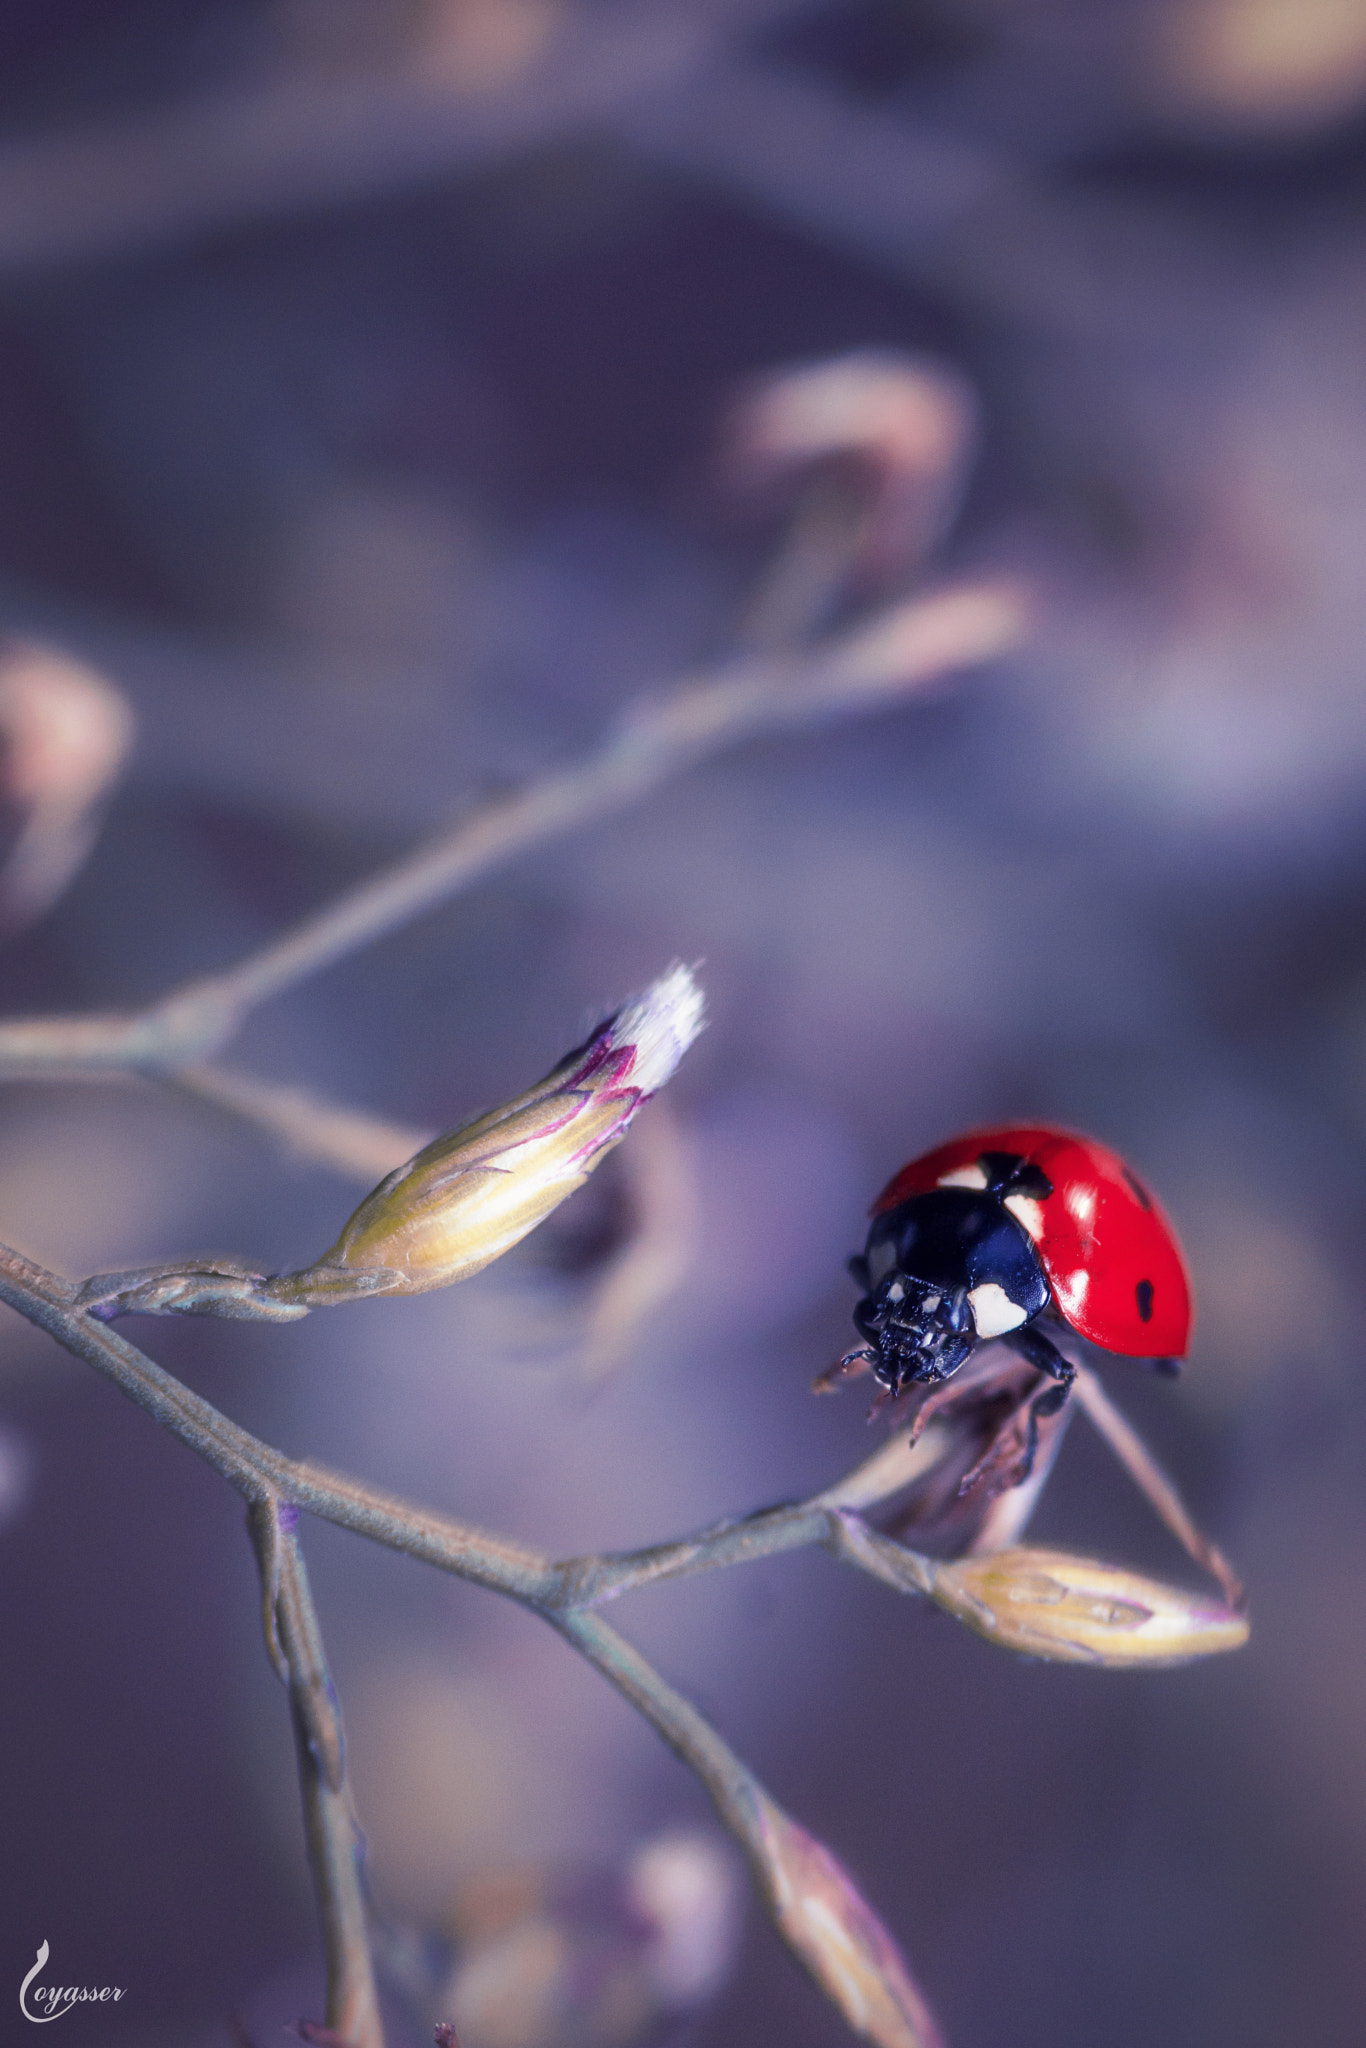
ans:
(361, 374)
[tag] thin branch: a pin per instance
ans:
(352, 1142)
(810, 571)
(335, 1845)
(825, 1518)
(831, 1518)
(876, 663)
(1141, 1466)
(813, 1902)
(651, 1265)
(253, 1467)
(687, 1732)
(585, 1582)
(317, 136)
(259, 1473)
(819, 1912)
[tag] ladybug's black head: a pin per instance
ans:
(916, 1331)
(941, 1270)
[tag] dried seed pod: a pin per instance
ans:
(1046, 1603)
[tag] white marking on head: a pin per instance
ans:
(993, 1310)
(881, 1259)
(963, 1177)
(896, 1292)
(1027, 1211)
(932, 1302)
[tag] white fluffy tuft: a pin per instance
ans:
(661, 1024)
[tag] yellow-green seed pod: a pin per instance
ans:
(1047, 1603)
(469, 1196)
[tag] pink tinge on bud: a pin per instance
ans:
(633, 1053)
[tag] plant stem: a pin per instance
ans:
(730, 1783)
(877, 662)
(336, 1846)
(257, 1471)
(813, 1903)
(1142, 1467)
(275, 1487)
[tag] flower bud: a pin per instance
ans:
(1046, 1603)
(563, 1958)
(64, 734)
(835, 1933)
(469, 1196)
(907, 423)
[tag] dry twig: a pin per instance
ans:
(307, 135)
(335, 1846)
(876, 663)
(1101, 1616)
(1138, 1461)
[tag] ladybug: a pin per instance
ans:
(1001, 1231)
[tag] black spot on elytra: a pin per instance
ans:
(1141, 1192)
(1143, 1295)
(1008, 1174)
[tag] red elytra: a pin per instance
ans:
(1101, 1236)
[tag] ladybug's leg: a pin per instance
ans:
(1045, 1357)
(852, 1366)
